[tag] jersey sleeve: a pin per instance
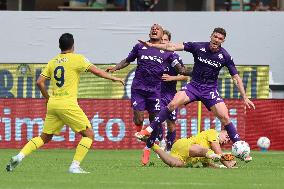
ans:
(46, 72)
(231, 65)
(84, 64)
(213, 136)
(133, 54)
(189, 46)
(175, 59)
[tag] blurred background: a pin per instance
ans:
(145, 5)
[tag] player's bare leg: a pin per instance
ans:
(138, 118)
(167, 158)
(220, 110)
(31, 146)
(81, 150)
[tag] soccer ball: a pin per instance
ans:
(263, 143)
(241, 149)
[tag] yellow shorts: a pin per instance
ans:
(55, 119)
(180, 150)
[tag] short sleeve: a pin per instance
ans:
(231, 65)
(133, 54)
(189, 46)
(84, 64)
(46, 72)
(213, 136)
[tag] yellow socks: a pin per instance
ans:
(82, 149)
(32, 145)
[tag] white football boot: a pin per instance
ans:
(77, 170)
(14, 161)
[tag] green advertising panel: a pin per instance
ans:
(19, 81)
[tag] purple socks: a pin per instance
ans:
(232, 132)
(171, 136)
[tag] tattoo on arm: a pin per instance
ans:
(187, 71)
(122, 64)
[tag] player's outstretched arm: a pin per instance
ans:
(239, 83)
(166, 47)
(41, 85)
(98, 72)
(118, 66)
(167, 77)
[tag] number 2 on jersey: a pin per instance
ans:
(59, 70)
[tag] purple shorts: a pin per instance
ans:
(165, 100)
(144, 100)
(209, 96)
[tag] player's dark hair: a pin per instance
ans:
(166, 32)
(220, 30)
(66, 41)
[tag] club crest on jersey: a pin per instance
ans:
(144, 47)
(220, 56)
(161, 51)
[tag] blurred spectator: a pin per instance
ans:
(78, 3)
(3, 5)
(144, 5)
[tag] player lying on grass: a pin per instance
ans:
(205, 148)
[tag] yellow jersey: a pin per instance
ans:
(63, 71)
(181, 147)
(205, 138)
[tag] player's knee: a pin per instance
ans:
(91, 135)
(88, 133)
(46, 137)
(172, 106)
(171, 126)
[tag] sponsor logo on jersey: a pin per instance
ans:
(154, 58)
(210, 62)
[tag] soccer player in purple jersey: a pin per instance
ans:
(209, 58)
(168, 91)
(146, 85)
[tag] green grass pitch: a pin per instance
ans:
(48, 169)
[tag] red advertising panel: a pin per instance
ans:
(23, 119)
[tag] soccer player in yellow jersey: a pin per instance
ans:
(62, 107)
(205, 148)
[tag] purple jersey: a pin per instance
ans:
(207, 64)
(150, 66)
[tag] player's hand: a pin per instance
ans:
(146, 43)
(111, 69)
(119, 80)
(249, 103)
(167, 77)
